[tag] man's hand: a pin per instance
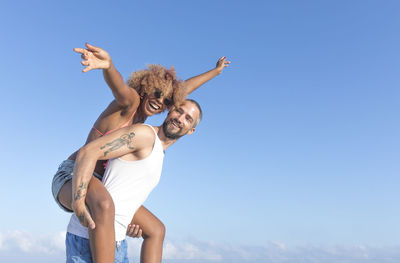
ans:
(221, 64)
(94, 58)
(82, 212)
(134, 231)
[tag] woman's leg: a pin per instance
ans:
(101, 207)
(153, 235)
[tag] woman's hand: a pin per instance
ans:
(221, 64)
(94, 58)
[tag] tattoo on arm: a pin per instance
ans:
(81, 218)
(81, 191)
(125, 139)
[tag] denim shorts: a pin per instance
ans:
(78, 250)
(63, 175)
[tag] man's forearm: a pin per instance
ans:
(82, 174)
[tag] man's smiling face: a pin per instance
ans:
(181, 120)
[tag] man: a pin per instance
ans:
(136, 155)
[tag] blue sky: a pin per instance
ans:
(297, 155)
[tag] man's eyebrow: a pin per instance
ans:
(189, 117)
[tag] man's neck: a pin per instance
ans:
(165, 141)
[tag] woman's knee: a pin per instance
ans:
(99, 200)
(101, 206)
(157, 230)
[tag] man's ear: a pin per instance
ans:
(173, 107)
(191, 131)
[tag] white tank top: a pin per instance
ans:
(129, 184)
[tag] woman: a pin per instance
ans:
(146, 93)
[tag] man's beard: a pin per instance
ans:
(169, 134)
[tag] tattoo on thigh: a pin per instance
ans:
(125, 139)
(81, 191)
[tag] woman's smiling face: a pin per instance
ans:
(156, 102)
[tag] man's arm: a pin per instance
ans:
(195, 82)
(133, 139)
(97, 58)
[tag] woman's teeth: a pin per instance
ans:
(154, 106)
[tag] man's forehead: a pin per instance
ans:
(190, 108)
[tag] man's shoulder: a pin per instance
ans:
(145, 128)
(144, 132)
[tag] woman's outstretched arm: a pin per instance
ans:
(97, 58)
(195, 82)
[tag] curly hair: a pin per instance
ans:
(155, 77)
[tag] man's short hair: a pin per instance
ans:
(200, 111)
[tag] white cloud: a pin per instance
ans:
(277, 252)
(190, 251)
(27, 242)
(1, 241)
(35, 247)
